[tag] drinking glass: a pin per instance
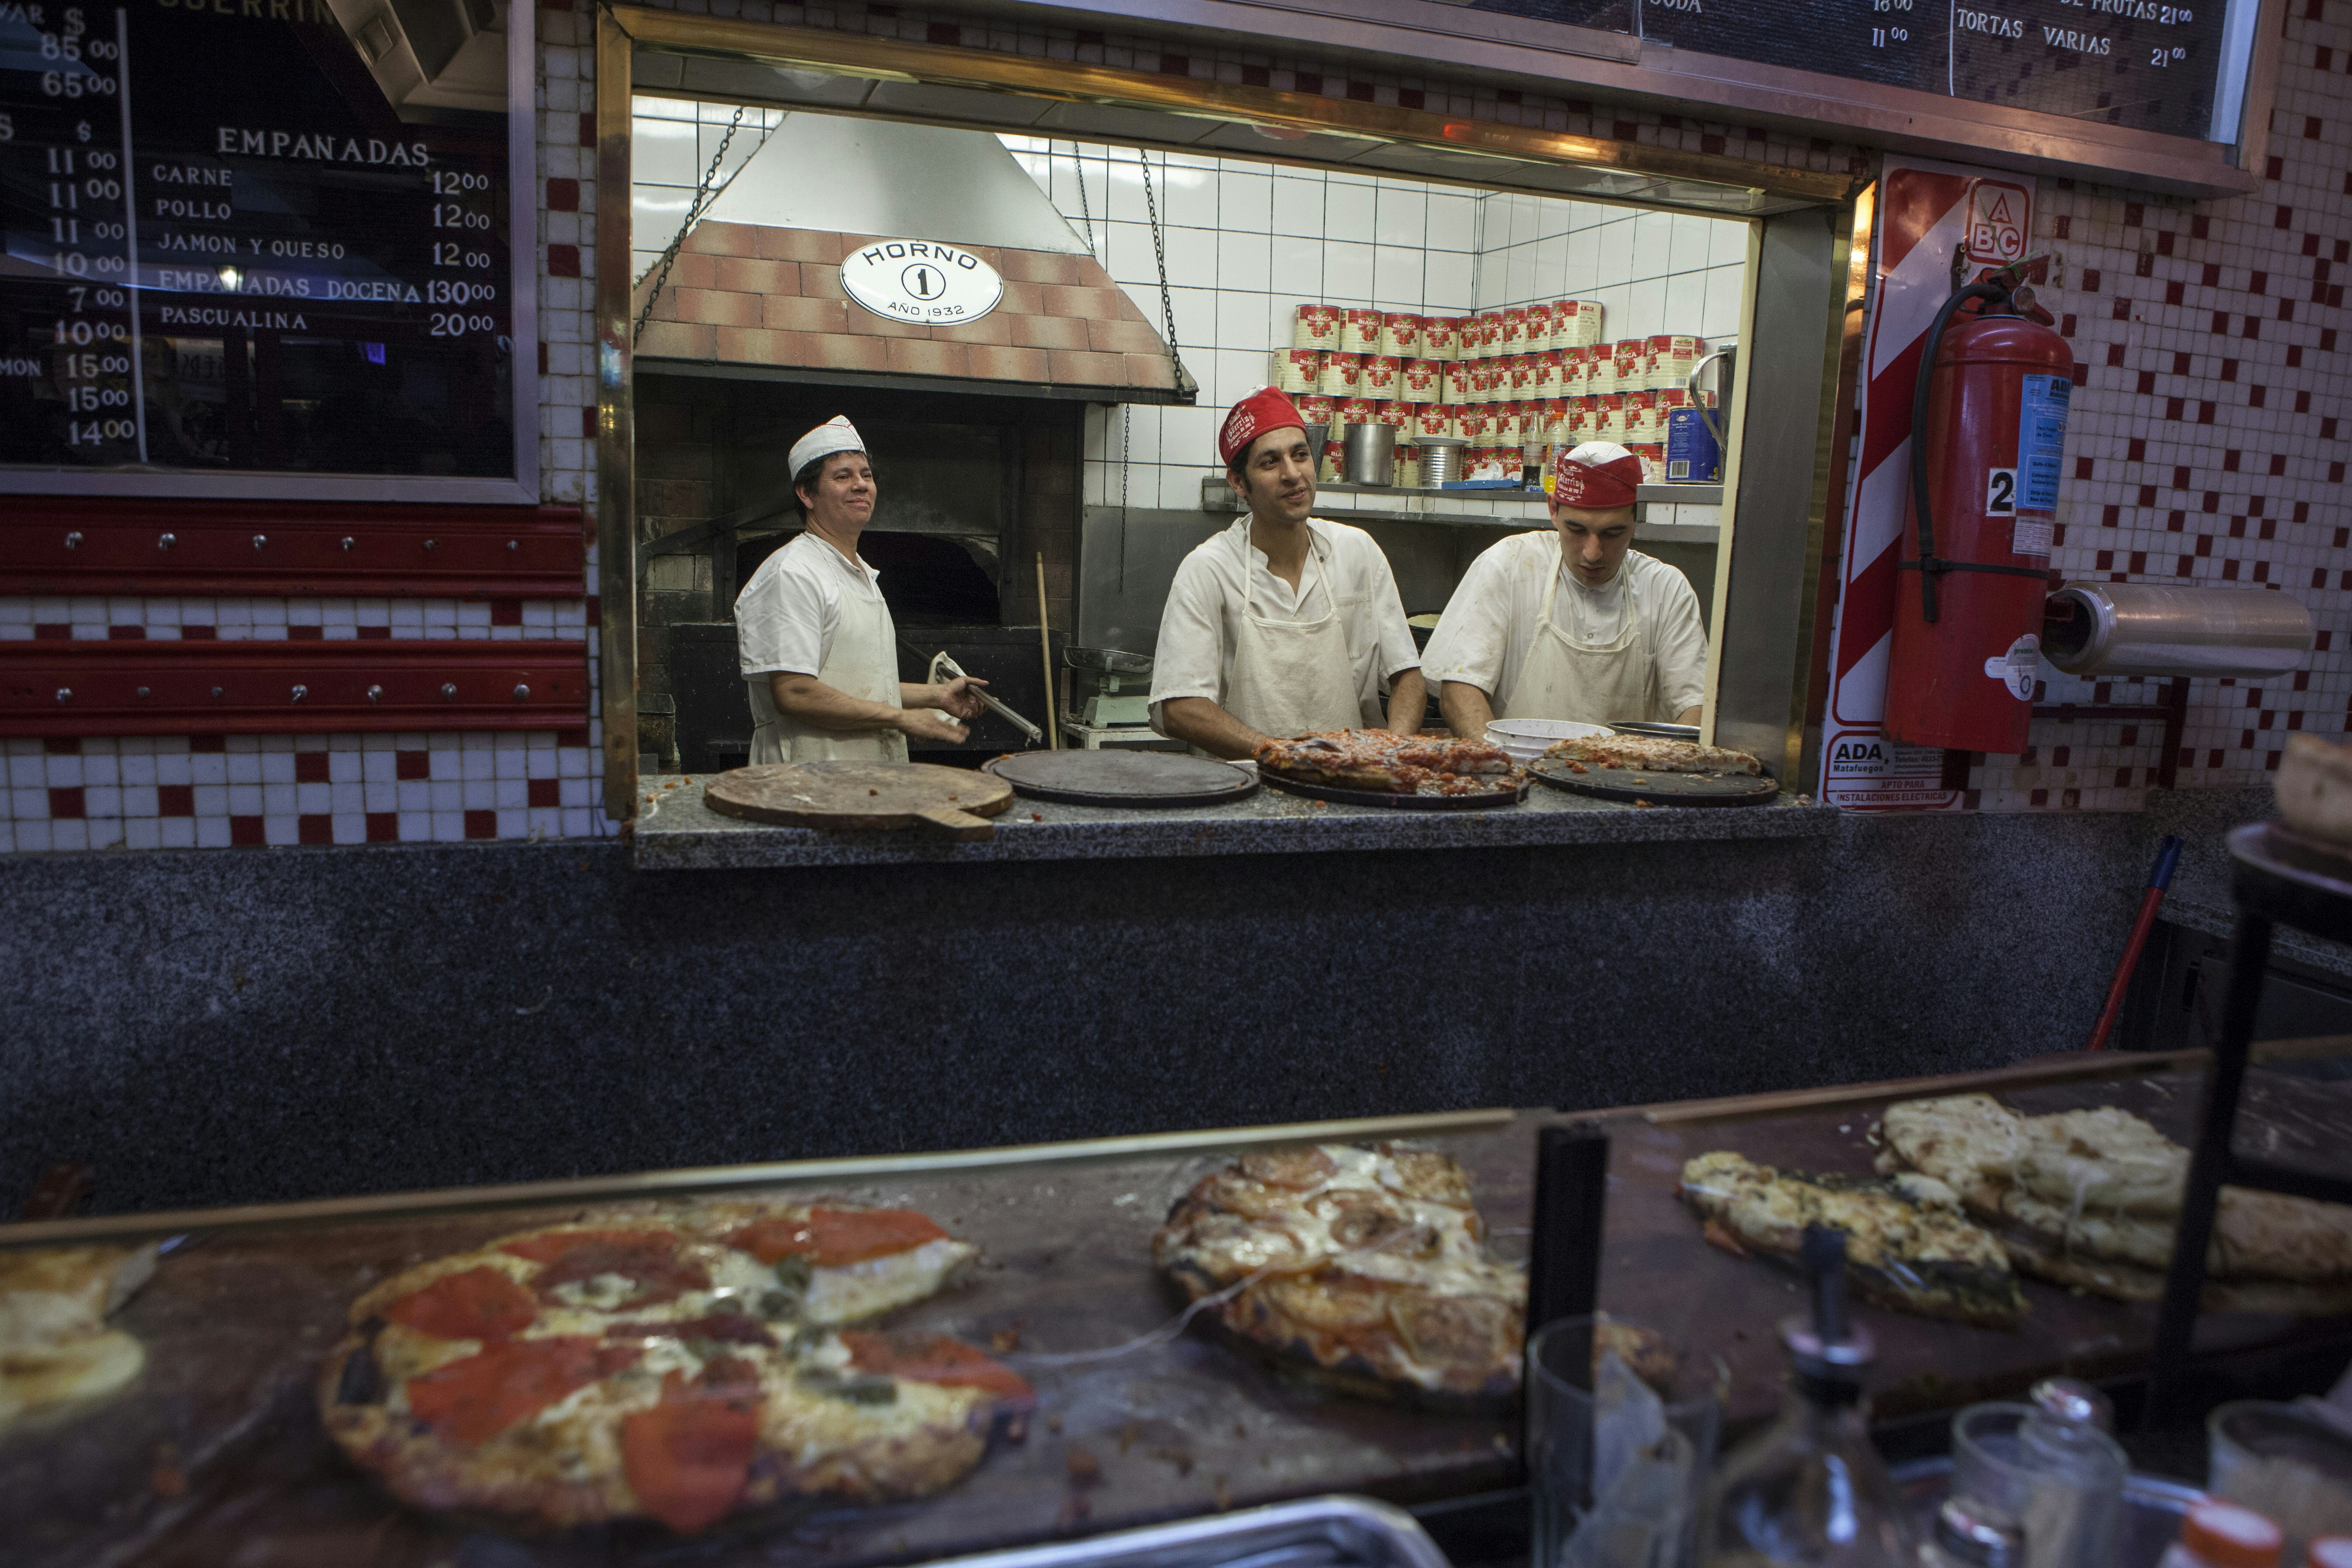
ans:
(2060, 1487)
(1562, 1454)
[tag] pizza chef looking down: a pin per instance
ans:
(1572, 624)
(818, 650)
(1287, 623)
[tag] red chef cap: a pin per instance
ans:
(1598, 475)
(1262, 410)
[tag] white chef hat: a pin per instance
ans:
(835, 435)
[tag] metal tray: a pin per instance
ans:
(1398, 802)
(1113, 776)
(2153, 1509)
(1658, 788)
(1320, 1532)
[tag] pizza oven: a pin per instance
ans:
(975, 488)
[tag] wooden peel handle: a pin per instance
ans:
(957, 826)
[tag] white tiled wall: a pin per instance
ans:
(674, 143)
(1652, 272)
(1248, 242)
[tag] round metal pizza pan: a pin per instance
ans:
(1658, 788)
(1116, 777)
(1480, 802)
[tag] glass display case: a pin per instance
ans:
(216, 1448)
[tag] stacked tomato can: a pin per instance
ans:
(1503, 381)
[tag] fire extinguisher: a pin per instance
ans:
(1988, 436)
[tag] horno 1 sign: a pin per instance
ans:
(921, 280)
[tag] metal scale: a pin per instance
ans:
(1110, 700)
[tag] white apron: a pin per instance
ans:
(1293, 677)
(1563, 679)
(863, 662)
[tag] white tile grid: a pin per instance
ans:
(2247, 493)
(136, 793)
(1651, 272)
(567, 392)
(673, 145)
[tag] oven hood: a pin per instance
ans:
(831, 172)
(756, 287)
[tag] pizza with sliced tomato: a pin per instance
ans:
(675, 1369)
(1366, 1264)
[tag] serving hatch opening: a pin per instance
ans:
(1007, 434)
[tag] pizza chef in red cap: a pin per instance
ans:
(1573, 623)
(1284, 623)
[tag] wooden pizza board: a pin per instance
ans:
(863, 797)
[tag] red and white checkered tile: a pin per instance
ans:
(280, 620)
(2207, 441)
(248, 790)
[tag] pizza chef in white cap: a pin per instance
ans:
(818, 650)
(1284, 623)
(1573, 623)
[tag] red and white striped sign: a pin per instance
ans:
(1924, 211)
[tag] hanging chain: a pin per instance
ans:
(1185, 385)
(1126, 428)
(693, 213)
(1086, 210)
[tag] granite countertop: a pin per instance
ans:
(2200, 898)
(674, 831)
(2220, 918)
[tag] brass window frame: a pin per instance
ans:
(622, 30)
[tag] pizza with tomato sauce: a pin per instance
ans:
(1366, 1264)
(675, 1369)
(1388, 764)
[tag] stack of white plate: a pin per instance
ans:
(1525, 738)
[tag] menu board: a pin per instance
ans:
(244, 238)
(2144, 65)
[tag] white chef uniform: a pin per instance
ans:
(1524, 629)
(811, 610)
(1279, 661)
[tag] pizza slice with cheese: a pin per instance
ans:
(1366, 1264)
